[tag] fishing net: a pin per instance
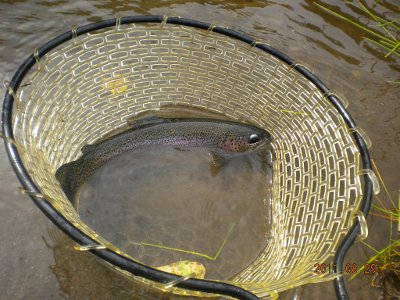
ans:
(89, 81)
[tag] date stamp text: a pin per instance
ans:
(349, 268)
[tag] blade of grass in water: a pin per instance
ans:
(355, 23)
(380, 201)
(380, 255)
(376, 19)
(388, 42)
(217, 254)
(382, 44)
(381, 21)
(390, 23)
(384, 257)
(388, 212)
(382, 182)
(383, 216)
(398, 214)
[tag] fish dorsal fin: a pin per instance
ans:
(149, 120)
(87, 148)
(146, 121)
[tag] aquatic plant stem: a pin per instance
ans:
(293, 112)
(395, 215)
(381, 180)
(398, 214)
(393, 50)
(384, 256)
(217, 254)
(384, 22)
(379, 255)
(376, 19)
(354, 23)
(388, 42)
(382, 45)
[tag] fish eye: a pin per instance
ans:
(254, 138)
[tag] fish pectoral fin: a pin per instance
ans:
(218, 161)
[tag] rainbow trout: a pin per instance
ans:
(223, 138)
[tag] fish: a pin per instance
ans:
(223, 139)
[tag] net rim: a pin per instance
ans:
(123, 262)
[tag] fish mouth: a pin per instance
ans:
(261, 144)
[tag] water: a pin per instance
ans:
(148, 200)
(36, 264)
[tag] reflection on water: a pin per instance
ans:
(336, 51)
(151, 200)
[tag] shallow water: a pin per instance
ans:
(148, 200)
(37, 264)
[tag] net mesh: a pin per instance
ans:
(94, 83)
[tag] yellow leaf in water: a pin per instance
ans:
(185, 268)
(116, 86)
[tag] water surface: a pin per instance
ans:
(153, 199)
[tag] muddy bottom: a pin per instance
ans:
(162, 205)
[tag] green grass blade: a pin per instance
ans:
(376, 19)
(381, 180)
(366, 29)
(386, 211)
(398, 217)
(382, 21)
(369, 246)
(217, 254)
(383, 46)
(381, 255)
(386, 23)
(393, 50)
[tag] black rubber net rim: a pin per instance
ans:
(122, 262)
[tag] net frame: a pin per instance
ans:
(109, 253)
